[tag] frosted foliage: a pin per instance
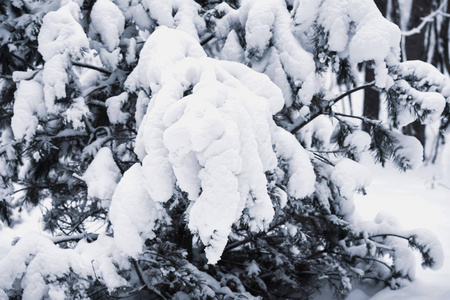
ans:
(349, 176)
(114, 105)
(215, 143)
(179, 14)
(28, 107)
(102, 175)
(133, 213)
(61, 32)
(109, 22)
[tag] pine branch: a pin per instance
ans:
(207, 39)
(145, 285)
(83, 65)
(331, 103)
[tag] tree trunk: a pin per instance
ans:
(372, 97)
(416, 48)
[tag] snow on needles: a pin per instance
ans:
(209, 130)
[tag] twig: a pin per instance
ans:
(70, 238)
(19, 58)
(331, 103)
(83, 65)
(143, 282)
(207, 39)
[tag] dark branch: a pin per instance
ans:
(83, 65)
(332, 102)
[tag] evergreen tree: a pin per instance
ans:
(200, 137)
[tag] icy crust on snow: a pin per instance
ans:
(40, 266)
(29, 106)
(102, 176)
(60, 32)
(371, 38)
(267, 23)
(133, 213)
(215, 143)
(107, 20)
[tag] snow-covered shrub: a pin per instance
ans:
(190, 149)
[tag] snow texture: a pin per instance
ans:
(75, 113)
(216, 143)
(102, 176)
(29, 106)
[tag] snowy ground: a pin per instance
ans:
(416, 201)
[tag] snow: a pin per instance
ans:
(102, 176)
(180, 14)
(75, 113)
(107, 21)
(55, 79)
(349, 177)
(61, 32)
(408, 151)
(114, 105)
(29, 106)
(133, 213)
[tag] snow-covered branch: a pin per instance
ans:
(427, 19)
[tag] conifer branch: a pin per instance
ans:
(83, 65)
(331, 103)
(19, 58)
